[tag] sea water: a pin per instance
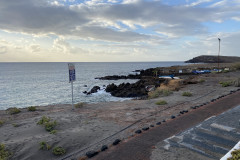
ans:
(35, 84)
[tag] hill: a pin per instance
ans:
(213, 59)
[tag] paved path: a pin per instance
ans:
(140, 147)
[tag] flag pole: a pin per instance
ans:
(218, 53)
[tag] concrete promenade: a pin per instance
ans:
(150, 144)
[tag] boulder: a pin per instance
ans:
(94, 90)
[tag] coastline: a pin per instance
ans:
(84, 128)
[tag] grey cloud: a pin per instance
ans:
(39, 17)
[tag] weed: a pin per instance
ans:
(225, 84)
(4, 154)
(236, 66)
(157, 93)
(187, 94)
(43, 120)
(53, 132)
(58, 151)
(79, 105)
(44, 146)
(1, 123)
(14, 110)
(32, 108)
(15, 125)
(49, 125)
(235, 155)
(162, 102)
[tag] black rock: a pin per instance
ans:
(151, 125)
(158, 123)
(194, 107)
(91, 154)
(85, 85)
(145, 128)
(181, 112)
(185, 111)
(116, 142)
(94, 89)
(164, 120)
(173, 117)
(85, 92)
(138, 131)
(137, 89)
(104, 147)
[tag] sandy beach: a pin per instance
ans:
(93, 125)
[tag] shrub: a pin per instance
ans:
(58, 151)
(32, 108)
(4, 154)
(161, 102)
(236, 66)
(235, 155)
(225, 84)
(44, 146)
(49, 125)
(53, 132)
(1, 123)
(159, 92)
(43, 120)
(187, 94)
(79, 105)
(14, 110)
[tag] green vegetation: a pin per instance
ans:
(14, 110)
(4, 154)
(44, 146)
(236, 66)
(53, 132)
(162, 102)
(201, 80)
(48, 124)
(1, 123)
(225, 84)
(157, 93)
(187, 94)
(79, 105)
(235, 155)
(15, 125)
(32, 108)
(58, 151)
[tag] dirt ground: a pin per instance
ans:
(93, 125)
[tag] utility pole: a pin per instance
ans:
(218, 52)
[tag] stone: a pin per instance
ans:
(91, 154)
(116, 142)
(138, 131)
(104, 147)
(145, 128)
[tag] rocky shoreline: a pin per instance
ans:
(89, 127)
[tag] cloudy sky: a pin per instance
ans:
(117, 30)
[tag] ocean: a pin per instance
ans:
(38, 84)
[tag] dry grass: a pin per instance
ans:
(172, 85)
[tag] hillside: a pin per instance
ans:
(213, 59)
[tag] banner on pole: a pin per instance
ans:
(72, 74)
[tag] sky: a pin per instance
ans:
(117, 30)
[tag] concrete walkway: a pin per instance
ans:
(142, 146)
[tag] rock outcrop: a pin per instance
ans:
(137, 89)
